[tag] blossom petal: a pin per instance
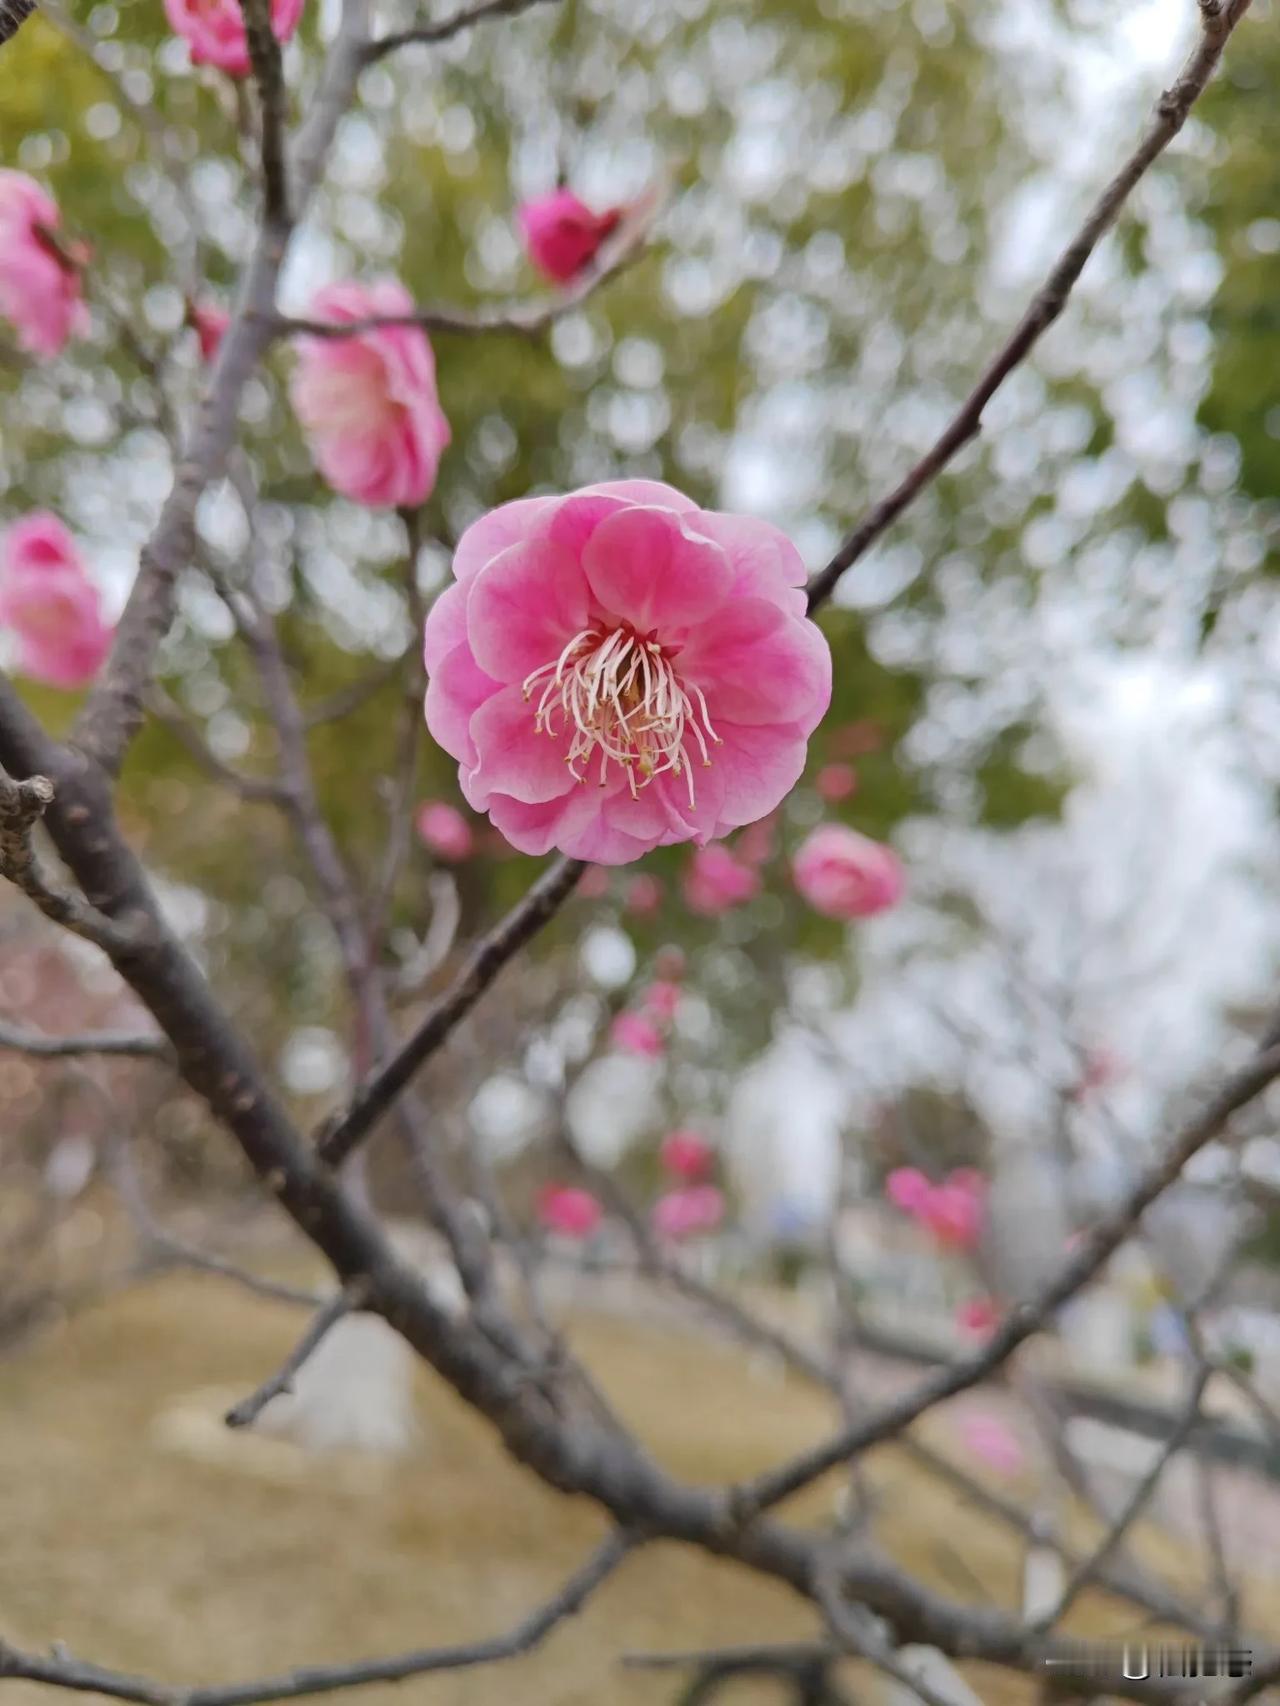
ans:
(523, 608)
(507, 525)
(512, 758)
(456, 689)
(758, 767)
(446, 626)
(764, 561)
(652, 493)
(757, 665)
(648, 568)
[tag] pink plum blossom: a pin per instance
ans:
(210, 325)
(636, 1033)
(594, 883)
(569, 1211)
(39, 276)
(367, 403)
(644, 895)
(954, 1214)
(617, 670)
(846, 875)
(992, 1441)
(561, 233)
(979, 1316)
(907, 1188)
(756, 845)
(445, 831)
(214, 30)
(715, 882)
(51, 605)
(661, 999)
(687, 1156)
(836, 782)
(685, 1213)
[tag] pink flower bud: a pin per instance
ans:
(687, 1156)
(846, 875)
(214, 30)
(635, 1033)
(836, 782)
(644, 895)
(715, 881)
(49, 602)
(568, 1211)
(39, 275)
(561, 234)
(445, 831)
(689, 1212)
(210, 324)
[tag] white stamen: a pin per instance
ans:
(620, 693)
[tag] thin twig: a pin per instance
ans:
(147, 1046)
(257, 788)
(448, 27)
(346, 1302)
(1027, 1318)
(22, 805)
(59, 1670)
(857, 1631)
(1218, 19)
(1133, 1506)
(379, 1091)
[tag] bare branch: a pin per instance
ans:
(13, 14)
(259, 788)
(268, 76)
(448, 27)
(1218, 18)
(857, 1631)
(1135, 1504)
(153, 1046)
(344, 1303)
(493, 951)
(59, 1670)
(22, 805)
(1027, 1318)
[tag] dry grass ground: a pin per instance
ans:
(216, 1567)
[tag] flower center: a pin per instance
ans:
(618, 691)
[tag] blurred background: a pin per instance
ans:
(1056, 697)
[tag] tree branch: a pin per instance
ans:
(268, 76)
(22, 805)
(144, 1047)
(344, 1303)
(449, 27)
(59, 1670)
(13, 14)
(1027, 1318)
(1217, 18)
(493, 951)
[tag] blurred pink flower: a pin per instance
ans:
(644, 895)
(661, 999)
(637, 1034)
(594, 883)
(908, 1189)
(954, 1213)
(39, 278)
(687, 1212)
(992, 1442)
(715, 882)
(561, 233)
(617, 670)
(979, 1316)
(48, 600)
(368, 403)
(846, 875)
(755, 846)
(210, 324)
(214, 30)
(445, 831)
(687, 1156)
(853, 739)
(569, 1211)
(836, 782)
(1100, 1067)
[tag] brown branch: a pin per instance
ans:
(1027, 1318)
(147, 1046)
(379, 1091)
(22, 805)
(113, 712)
(268, 76)
(13, 14)
(1218, 18)
(59, 1670)
(449, 27)
(342, 1304)
(256, 788)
